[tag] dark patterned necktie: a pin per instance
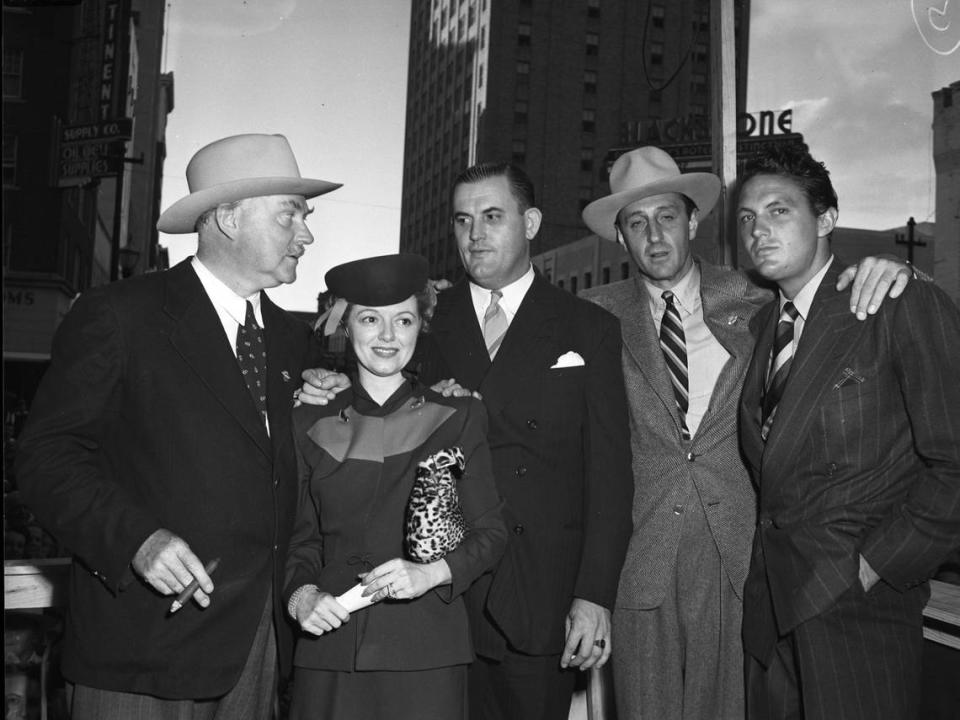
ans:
(252, 356)
(674, 345)
(781, 360)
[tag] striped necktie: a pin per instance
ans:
(252, 357)
(781, 360)
(494, 323)
(674, 345)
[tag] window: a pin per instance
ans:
(593, 8)
(700, 53)
(657, 16)
(605, 276)
(593, 44)
(560, 284)
(518, 152)
(523, 35)
(12, 73)
(9, 160)
(520, 112)
(587, 280)
(480, 76)
(590, 82)
(573, 284)
(523, 69)
(656, 53)
(589, 120)
(586, 159)
(624, 270)
(698, 84)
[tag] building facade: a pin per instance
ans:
(552, 87)
(84, 116)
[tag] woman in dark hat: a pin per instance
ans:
(395, 644)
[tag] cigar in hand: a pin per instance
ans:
(192, 587)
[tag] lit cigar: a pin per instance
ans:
(192, 587)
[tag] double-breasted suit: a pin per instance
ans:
(863, 458)
(144, 421)
(559, 442)
(677, 480)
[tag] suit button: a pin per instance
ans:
(678, 509)
(532, 424)
(691, 457)
(518, 529)
(521, 470)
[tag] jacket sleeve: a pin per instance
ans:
(305, 554)
(608, 475)
(486, 535)
(65, 475)
(909, 544)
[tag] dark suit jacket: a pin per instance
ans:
(561, 457)
(144, 421)
(862, 458)
(663, 462)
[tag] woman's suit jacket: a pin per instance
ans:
(143, 421)
(358, 462)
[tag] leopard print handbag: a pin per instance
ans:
(434, 520)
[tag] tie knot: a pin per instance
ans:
(789, 312)
(667, 296)
(250, 320)
(495, 296)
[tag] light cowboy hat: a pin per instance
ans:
(641, 173)
(234, 168)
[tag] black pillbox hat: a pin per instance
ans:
(378, 281)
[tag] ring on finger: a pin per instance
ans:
(601, 643)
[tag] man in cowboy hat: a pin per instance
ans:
(159, 442)
(687, 344)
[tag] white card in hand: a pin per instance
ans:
(353, 600)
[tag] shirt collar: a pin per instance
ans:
(686, 292)
(804, 298)
(513, 294)
(223, 297)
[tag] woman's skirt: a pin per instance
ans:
(437, 694)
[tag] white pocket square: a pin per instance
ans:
(568, 359)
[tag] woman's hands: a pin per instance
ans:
(404, 580)
(319, 612)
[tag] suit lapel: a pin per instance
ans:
(826, 338)
(199, 339)
(764, 327)
(528, 348)
(459, 338)
(722, 300)
(282, 370)
(641, 342)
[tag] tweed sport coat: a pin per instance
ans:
(663, 463)
(144, 421)
(561, 456)
(863, 456)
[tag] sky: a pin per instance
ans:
(331, 76)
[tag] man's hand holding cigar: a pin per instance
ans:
(169, 566)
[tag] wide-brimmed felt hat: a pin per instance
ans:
(235, 168)
(641, 173)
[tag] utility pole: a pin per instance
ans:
(723, 121)
(910, 241)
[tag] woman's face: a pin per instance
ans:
(384, 338)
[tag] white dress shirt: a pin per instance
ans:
(513, 295)
(802, 302)
(230, 307)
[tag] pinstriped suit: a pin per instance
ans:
(863, 458)
(647, 683)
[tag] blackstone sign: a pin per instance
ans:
(688, 139)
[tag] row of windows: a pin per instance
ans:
(572, 282)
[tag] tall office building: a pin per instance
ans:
(551, 86)
(946, 158)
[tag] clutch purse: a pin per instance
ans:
(434, 521)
